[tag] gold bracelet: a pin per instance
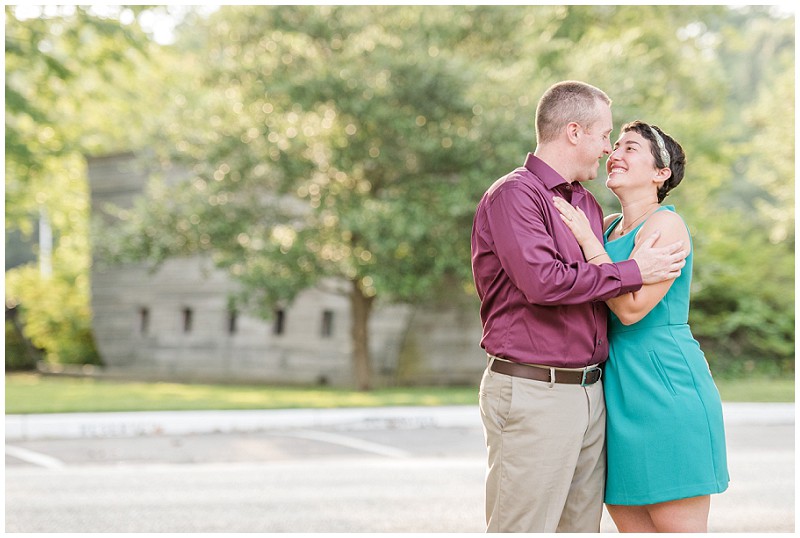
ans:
(597, 256)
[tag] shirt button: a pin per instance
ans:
(599, 341)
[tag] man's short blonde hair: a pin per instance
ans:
(566, 102)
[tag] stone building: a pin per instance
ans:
(174, 323)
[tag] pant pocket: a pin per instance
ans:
(495, 400)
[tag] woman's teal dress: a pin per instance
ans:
(665, 436)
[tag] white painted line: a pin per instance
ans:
(350, 442)
(36, 458)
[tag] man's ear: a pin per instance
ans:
(573, 131)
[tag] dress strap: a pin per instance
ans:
(611, 227)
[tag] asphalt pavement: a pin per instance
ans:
(406, 469)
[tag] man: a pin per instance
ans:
(544, 323)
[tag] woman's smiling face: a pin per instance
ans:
(630, 161)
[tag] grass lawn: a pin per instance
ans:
(34, 393)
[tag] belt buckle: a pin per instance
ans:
(586, 371)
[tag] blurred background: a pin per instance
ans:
(284, 195)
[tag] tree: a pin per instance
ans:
(737, 196)
(335, 148)
(65, 68)
(744, 297)
(350, 144)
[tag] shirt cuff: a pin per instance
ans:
(629, 276)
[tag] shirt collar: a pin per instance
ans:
(550, 178)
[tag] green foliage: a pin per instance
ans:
(737, 196)
(355, 141)
(743, 297)
(20, 354)
(55, 67)
(369, 138)
(69, 84)
(55, 313)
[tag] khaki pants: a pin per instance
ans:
(547, 461)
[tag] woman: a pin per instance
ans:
(665, 436)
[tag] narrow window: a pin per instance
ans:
(327, 323)
(280, 320)
(144, 320)
(232, 318)
(187, 320)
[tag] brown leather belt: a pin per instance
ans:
(583, 377)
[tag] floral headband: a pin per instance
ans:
(662, 148)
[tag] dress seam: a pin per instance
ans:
(709, 425)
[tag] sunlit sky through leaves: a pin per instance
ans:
(161, 25)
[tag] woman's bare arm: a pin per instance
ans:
(629, 307)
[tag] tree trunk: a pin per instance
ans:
(361, 306)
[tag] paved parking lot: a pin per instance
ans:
(415, 475)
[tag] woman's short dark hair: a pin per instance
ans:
(677, 158)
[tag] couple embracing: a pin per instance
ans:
(595, 390)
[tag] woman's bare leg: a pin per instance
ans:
(631, 518)
(683, 515)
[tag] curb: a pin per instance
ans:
(93, 425)
(134, 424)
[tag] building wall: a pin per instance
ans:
(174, 322)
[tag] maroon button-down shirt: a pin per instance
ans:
(540, 301)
